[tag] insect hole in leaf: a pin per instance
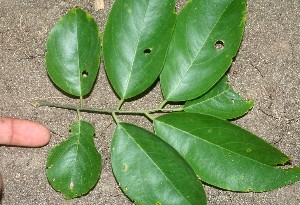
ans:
(85, 74)
(219, 45)
(147, 51)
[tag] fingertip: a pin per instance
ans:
(23, 133)
(29, 134)
(39, 135)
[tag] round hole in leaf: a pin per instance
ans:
(219, 45)
(85, 74)
(147, 51)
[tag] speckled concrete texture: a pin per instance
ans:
(266, 70)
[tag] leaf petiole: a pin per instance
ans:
(120, 104)
(162, 104)
(40, 103)
(78, 114)
(116, 119)
(148, 115)
(81, 101)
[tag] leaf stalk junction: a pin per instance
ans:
(113, 112)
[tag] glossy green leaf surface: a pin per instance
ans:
(223, 154)
(149, 171)
(220, 101)
(73, 52)
(135, 43)
(206, 38)
(74, 166)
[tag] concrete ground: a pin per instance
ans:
(265, 70)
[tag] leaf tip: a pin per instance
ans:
(250, 103)
(88, 16)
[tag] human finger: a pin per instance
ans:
(23, 133)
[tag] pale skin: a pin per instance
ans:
(22, 133)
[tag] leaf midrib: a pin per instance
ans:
(209, 99)
(144, 151)
(200, 49)
(137, 44)
(76, 144)
(216, 145)
(77, 50)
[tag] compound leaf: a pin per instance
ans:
(149, 171)
(225, 155)
(135, 43)
(73, 52)
(74, 166)
(206, 38)
(220, 101)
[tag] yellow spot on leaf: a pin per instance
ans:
(125, 167)
(71, 185)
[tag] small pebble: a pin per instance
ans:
(99, 4)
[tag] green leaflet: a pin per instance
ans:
(206, 38)
(74, 166)
(296, 170)
(149, 171)
(73, 52)
(220, 101)
(223, 154)
(135, 42)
